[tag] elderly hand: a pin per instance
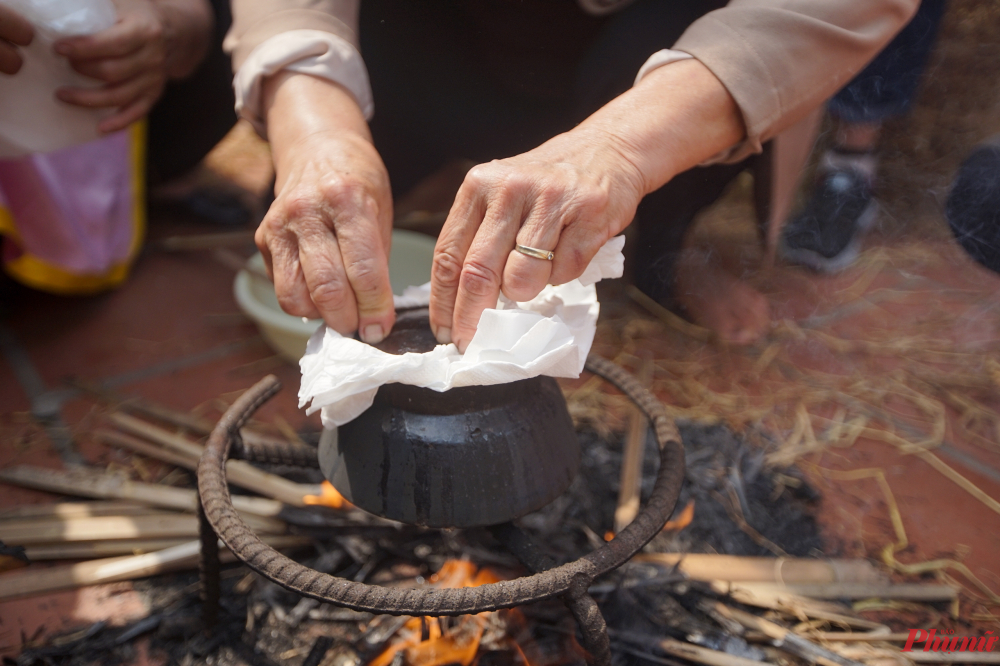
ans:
(569, 195)
(326, 238)
(572, 193)
(14, 31)
(152, 42)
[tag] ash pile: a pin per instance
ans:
(737, 577)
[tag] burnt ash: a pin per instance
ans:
(263, 624)
(722, 469)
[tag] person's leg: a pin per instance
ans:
(827, 235)
(194, 114)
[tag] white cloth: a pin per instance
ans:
(549, 335)
(315, 52)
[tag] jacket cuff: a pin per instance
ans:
(314, 52)
(659, 59)
(736, 153)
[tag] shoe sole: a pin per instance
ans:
(845, 258)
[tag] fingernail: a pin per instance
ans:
(443, 335)
(373, 334)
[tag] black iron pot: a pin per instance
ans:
(467, 457)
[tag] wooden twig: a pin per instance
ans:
(701, 655)
(784, 639)
(859, 637)
(631, 471)
(796, 606)
(922, 657)
(84, 482)
(108, 570)
(239, 472)
(767, 569)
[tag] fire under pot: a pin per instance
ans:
(474, 456)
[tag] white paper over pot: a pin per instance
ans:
(549, 335)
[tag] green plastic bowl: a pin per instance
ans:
(409, 265)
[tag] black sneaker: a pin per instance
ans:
(826, 235)
(973, 207)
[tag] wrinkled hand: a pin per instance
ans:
(326, 238)
(150, 43)
(570, 195)
(14, 31)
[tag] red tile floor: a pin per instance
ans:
(890, 370)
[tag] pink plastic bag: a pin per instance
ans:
(73, 219)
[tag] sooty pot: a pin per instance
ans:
(471, 456)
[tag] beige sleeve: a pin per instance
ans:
(780, 59)
(256, 21)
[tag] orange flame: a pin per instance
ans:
(328, 496)
(683, 520)
(459, 644)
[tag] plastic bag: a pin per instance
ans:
(32, 120)
(72, 220)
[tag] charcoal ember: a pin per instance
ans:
(721, 466)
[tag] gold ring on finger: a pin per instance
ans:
(547, 255)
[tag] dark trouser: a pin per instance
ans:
(486, 79)
(194, 114)
(887, 86)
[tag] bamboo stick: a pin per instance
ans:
(100, 549)
(75, 510)
(767, 569)
(238, 472)
(103, 528)
(91, 483)
(34, 532)
(903, 591)
(113, 569)
(150, 526)
(922, 657)
(185, 420)
(630, 484)
(97, 549)
(115, 438)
